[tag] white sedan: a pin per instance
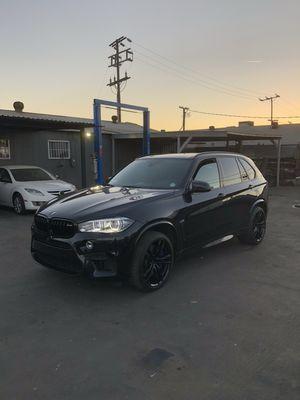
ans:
(28, 187)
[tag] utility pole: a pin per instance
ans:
(116, 60)
(184, 112)
(271, 99)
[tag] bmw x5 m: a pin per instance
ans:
(150, 212)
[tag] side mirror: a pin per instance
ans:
(107, 179)
(200, 186)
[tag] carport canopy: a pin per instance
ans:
(184, 138)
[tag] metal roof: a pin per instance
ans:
(11, 116)
(290, 133)
(29, 119)
(207, 134)
(252, 136)
(204, 135)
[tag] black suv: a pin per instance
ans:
(148, 213)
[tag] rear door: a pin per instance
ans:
(203, 212)
(252, 186)
(233, 191)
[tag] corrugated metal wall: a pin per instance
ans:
(29, 147)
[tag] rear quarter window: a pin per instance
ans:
(250, 171)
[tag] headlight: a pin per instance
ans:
(34, 191)
(110, 225)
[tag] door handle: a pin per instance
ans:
(221, 195)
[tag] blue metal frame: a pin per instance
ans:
(98, 142)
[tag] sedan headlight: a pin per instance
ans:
(109, 225)
(34, 191)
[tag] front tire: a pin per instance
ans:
(152, 261)
(256, 230)
(18, 204)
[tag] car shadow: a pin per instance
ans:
(9, 211)
(110, 289)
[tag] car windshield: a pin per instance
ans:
(30, 174)
(153, 173)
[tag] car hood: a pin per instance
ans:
(46, 186)
(99, 202)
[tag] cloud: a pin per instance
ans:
(254, 61)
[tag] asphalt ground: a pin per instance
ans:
(226, 325)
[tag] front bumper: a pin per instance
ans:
(110, 255)
(33, 203)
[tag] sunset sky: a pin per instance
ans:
(214, 56)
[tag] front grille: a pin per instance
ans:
(41, 223)
(58, 193)
(55, 227)
(62, 228)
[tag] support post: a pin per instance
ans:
(278, 162)
(98, 142)
(83, 158)
(113, 155)
(178, 144)
(146, 133)
(227, 144)
(185, 143)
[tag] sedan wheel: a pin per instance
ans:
(18, 204)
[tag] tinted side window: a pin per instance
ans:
(250, 171)
(209, 173)
(230, 169)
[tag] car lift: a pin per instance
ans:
(98, 143)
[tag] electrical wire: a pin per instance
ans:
(199, 81)
(191, 80)
(225, 86)
(123, 110)
(242, 116)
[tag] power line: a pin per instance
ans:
(191, 80)
(241, 116)
(224, 85)
(176, 71)
(202, 82)
(291, 105)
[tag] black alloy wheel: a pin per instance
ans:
(259, 225)
(256, 230)
(152, 261)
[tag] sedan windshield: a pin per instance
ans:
(30, 174)
(153, 173)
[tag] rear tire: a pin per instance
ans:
(152, 261)
(18, 203)
(256, 230)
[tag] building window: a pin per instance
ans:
(58, 149)
(4, 149)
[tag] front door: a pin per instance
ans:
(203, 220)
(5, 187)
